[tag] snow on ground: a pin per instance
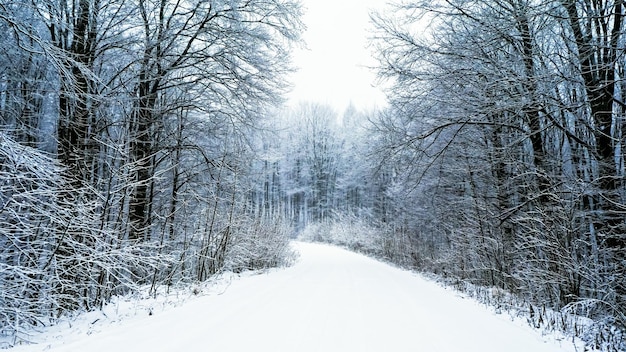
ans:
(330, 300)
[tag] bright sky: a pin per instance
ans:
(334, 68)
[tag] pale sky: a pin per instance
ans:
(333, 69)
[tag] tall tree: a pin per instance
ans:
(229, 51)
(527, 89)
(154, 103)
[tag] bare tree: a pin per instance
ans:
(229, 51)
(149, 108)
(514, 100)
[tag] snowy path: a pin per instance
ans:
(331, 300)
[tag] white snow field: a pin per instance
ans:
(330, 300)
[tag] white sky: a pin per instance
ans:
(333, 68)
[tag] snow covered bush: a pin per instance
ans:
(34, 226)
(356, 233)
(26, 184)
(258, 244)
(54, 258)
(317, 232)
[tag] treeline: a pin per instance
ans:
(313, 166)
(327, 174)
(134, 150)
(499, 161)
(126, 146)
(507, 123)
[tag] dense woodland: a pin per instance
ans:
(507, 125)
(126, 146)
(143, 145)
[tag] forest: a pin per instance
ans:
(146, 144)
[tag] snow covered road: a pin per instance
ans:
(331, 300)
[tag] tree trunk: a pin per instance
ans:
(75, 94)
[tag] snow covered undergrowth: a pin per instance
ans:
(121, 310)
(330, 300)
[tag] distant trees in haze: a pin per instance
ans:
(313, 165)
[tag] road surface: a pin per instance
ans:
(330, 300)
